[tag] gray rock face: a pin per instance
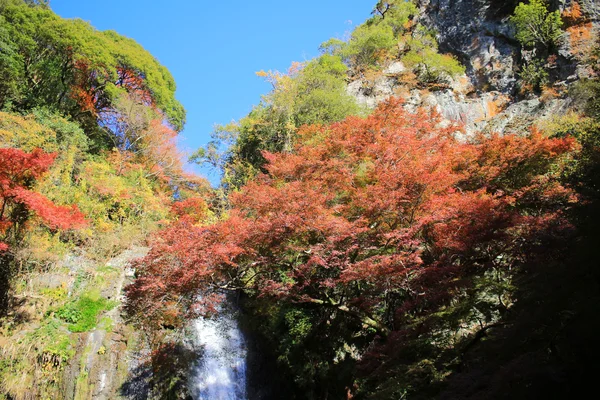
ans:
(395, 68)
(590, 8)
(371, 95)
(518, 117)
(478, 33)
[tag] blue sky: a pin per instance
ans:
(214, 48)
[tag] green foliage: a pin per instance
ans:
(369, 44)
(320, 96)
(586, 94)
(373, 41)
(316, 362)
(47, 61)
(33, 364)
(53, 340)
(584, 169)
(534, 75)
(311, 93)
(82, 314)
(536, 25)
(425, 59)
(396, 14)
(80, 93)
(299, 325)
(121, 200)
(41, 129)
(68, 134)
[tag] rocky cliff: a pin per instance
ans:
(489, 96)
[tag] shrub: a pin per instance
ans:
(534, 75)
(396, 14)
(426, 61)
(535, 25)
(369, 44)
(82, 314)
(372, 41)
(586, 94)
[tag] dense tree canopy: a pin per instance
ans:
(371, 250)
(364, 208)
(18, 172)
(67, 65)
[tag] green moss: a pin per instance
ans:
(82, 314)
(107, 269)
(107, 324)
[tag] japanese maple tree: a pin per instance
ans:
(20, 202)
(368, 208)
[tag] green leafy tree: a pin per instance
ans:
(536, 25)
(311, 93)
(369, 44)
(534, 75)
(425, 59)
(373, 41)
(395, 14)
(68, 66)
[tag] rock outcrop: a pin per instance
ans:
(478, 33)
(487, 98)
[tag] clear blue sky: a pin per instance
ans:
(213, 48)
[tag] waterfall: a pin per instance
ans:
(220, 372)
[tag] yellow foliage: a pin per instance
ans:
(560, 125)
(42, 248)
(25, 133)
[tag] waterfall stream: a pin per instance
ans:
(220, 372)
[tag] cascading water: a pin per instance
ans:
(220, 372)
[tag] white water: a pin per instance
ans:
(220, 373)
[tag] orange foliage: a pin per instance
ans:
(390, 201)
(18, 172)
(573, 15)
(85, 91)
(193, 209)
(89, 93)
(548, 94)
(159, 150)
(582, 39)
(134, 83)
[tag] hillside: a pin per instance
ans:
(410, 215)
(88, 169)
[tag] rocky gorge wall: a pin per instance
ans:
(489, 97)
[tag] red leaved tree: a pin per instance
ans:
(20, 203)
(389, 212)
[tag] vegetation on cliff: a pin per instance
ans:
(88, 167)
(385, 255)
(378, 253)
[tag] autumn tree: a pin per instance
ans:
(20, 203)
(375, 218)
(69, 66)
